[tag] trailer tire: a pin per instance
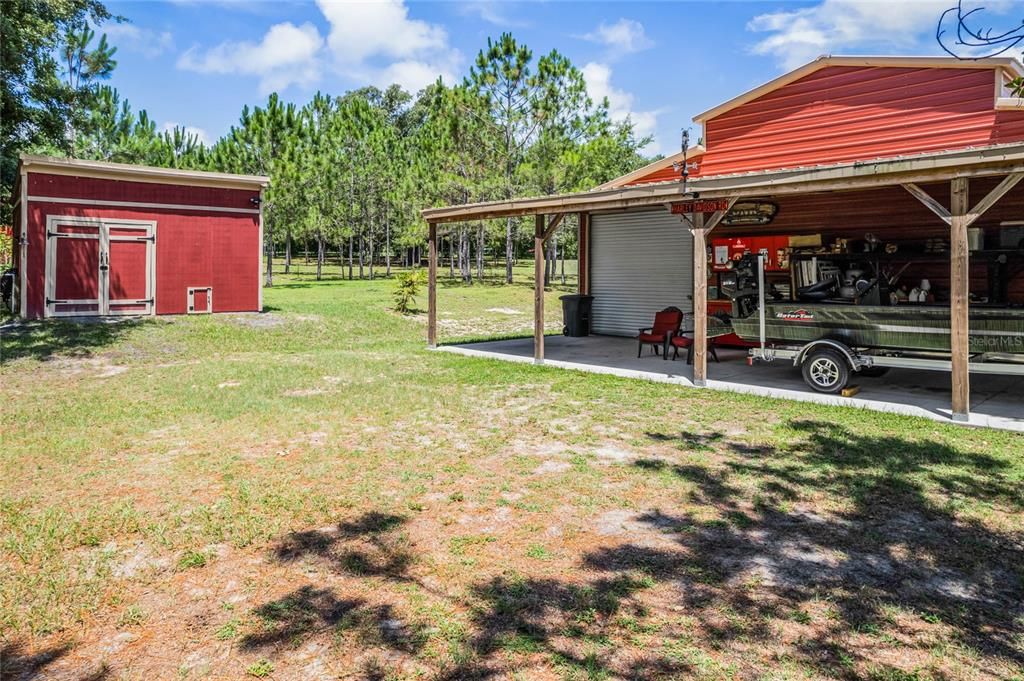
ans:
(825, 370)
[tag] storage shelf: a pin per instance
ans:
(901, 256)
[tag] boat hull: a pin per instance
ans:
(924, 329)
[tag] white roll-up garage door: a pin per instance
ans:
(640, 262)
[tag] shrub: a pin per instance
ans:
(409, 284)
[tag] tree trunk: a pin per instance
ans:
(319, 255)
(370, 244)
(288, 251)
(561, 253)
(508, 250)
(387, 243)
(480, 251)
(270, 259)
(465, 266)
(451, 256)
(350, 240)
(362, 255)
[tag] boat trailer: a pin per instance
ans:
(827, 364)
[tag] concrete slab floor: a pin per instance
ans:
(996, 401)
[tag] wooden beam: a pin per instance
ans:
(432, 286)
(538, 291)
(700, 302)
(556, 220)
(717, 216)
(959, 313)
(929, 203)
(998, 192)
(583, 254)
(937, 168)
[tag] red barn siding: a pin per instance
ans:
(72, 187)
(842, 114)
(194, 247)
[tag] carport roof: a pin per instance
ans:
(998, 159)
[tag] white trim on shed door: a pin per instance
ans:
(640, 262)
(104, 237)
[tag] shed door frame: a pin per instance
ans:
(104, 226)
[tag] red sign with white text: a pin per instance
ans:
(709, 206)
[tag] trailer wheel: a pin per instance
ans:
(825, 370)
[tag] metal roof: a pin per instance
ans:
(935, 166)
(1007, 63)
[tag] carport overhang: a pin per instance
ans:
(955, 167)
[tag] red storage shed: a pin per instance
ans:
(98, 238)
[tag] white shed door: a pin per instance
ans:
(640, 262)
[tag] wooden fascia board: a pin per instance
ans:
(129, 173)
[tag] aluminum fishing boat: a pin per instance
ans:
(908, 328)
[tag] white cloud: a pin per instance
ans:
(144, 41)
(490, 11)
(367, 42)
(624, 36)
(377, 42)
(412, 75)
(287, 55)
(834, 26)
(361, 30)
(620, 103)
(201, 135)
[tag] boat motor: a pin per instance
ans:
(740, 285)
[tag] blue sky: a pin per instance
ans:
(197, 62)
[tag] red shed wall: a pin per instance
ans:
(841, 114)
(194, 247)
(71, 187)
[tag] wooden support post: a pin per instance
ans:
(432, 286)
(583, 254)
(959, 285)
(700, 301)
(538, 291)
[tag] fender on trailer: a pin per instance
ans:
(851, 356)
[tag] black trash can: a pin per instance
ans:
(576, 314)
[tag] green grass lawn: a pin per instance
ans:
(310, 493)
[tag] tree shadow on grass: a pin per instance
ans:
(366, 546)
(16, 664)
(42, 340)
(565, 621)
(895, 547)
(851, 579)
(363, 547)
(861, 583)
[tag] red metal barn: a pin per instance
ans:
(99, 238)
